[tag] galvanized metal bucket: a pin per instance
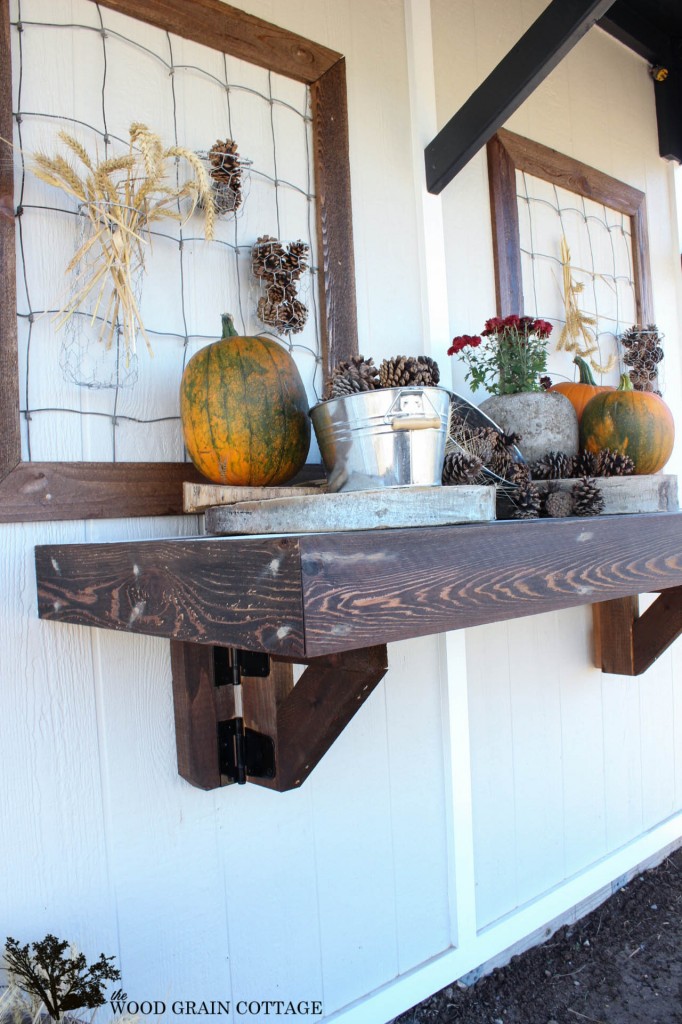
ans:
(391, 437)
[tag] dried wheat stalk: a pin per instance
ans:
(577, 334)
(122, 197)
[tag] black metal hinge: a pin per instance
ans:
(242, 751)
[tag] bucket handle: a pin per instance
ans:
(415, 423)
(411, 419)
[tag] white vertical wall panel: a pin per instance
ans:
(51, 793)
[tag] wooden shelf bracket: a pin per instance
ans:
(239, 716)
(627, 643)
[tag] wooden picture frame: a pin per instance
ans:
(507, 153)
(83, 490)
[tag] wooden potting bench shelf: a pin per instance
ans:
(332, 601)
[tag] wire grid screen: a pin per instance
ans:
(91, 71)
(600, 243)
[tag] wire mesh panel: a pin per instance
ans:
(81, 67)
(571, 247)
(596, 256)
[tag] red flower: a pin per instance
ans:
(493, 326)
(542, 328)
(461, 342)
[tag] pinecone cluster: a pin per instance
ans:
(225, 171)
(279, 268)
(553, 466)
(360, 374)
(523, 497)
(461, 468)
(406, 371)
(494, 448)
(560, 466)
(352, 376)
(643, 354)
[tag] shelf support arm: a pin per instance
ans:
(283, 730)
(627, 643)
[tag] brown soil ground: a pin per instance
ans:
(621, 964)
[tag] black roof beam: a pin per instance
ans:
(560, 26)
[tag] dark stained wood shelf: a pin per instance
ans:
(333, 601)
(313, 595)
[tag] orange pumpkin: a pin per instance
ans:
(634, 423)
(580, 392)
(244, 411)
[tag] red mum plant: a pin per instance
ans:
(508, 357)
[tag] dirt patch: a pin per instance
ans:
(621, 964)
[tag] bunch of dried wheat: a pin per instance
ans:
(577, 334)
(122, 197)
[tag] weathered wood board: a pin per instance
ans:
(628, 494)
(198, 497)
(388, 508)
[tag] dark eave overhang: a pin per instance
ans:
(555, 32)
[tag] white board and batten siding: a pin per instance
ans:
(494, 780)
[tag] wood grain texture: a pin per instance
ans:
(93, 490)
(390, 507)
(612, 625)
(232, 31)
(627, 643)
(569, 173)
(641, 266)
(356, 589)
(505, 222)
(338, 310)
(657, 628)
(10, 438)
(320, 706)
(197, 497)
(202, 590)
(626, 495)
(198, 707)
(261, 700)
(410, 583)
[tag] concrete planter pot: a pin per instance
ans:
(545, 420)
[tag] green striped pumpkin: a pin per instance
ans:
(634, 423)
(244, 411)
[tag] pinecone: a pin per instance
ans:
(559, 504)
(489, 444)
(296, 259)
(527, 501)
(587, 498)
(519, 474)
(553, 466)
(614, 463)
(502, 459)
(643, 355)
(461, 468)
(226, 173)
(406, 371)
(349, 378)
(267, 257)
(585, 464)
(545, 382)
